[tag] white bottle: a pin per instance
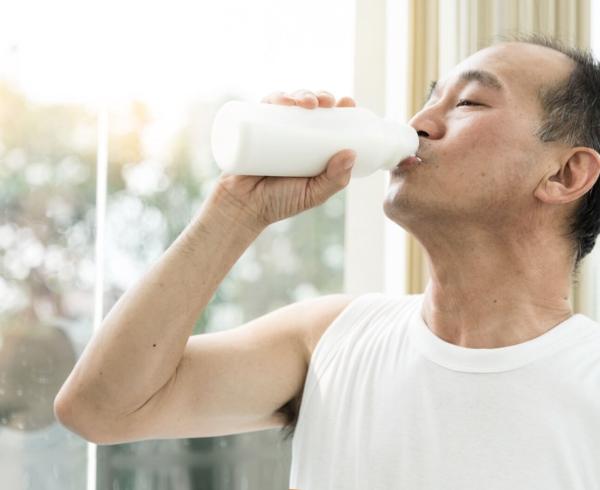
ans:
(256, 138)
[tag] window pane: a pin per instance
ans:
(161, 170)
(47, 221)
(181, 60)
(154, 190)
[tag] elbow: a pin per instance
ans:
(88, 426)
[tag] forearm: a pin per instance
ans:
(142, 339)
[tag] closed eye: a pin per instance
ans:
(466, 102)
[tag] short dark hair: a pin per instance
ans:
(571, 114)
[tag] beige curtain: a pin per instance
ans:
(443, 32)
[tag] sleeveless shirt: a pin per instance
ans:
(387, 404)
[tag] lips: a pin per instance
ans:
(410, 161)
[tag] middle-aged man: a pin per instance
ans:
(488, 380)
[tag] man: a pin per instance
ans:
(487, 380)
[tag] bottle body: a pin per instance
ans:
(251, 138)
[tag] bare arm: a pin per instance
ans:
(133, 359)
(232, 381)
(142, 339)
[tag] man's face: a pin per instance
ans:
(481, 157)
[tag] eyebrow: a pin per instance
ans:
(485, 78)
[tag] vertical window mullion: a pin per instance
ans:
(375, 250)
(363, 267)
(101, 185)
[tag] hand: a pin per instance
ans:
(266, 200)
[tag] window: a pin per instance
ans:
(47, 194)
(159, 73)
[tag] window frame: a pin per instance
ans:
(380, 84)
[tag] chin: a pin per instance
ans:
(404, 207)
(394, 206)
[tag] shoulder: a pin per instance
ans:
(324, 310)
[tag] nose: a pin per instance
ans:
(428, 123)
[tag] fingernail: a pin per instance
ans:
(349, 163)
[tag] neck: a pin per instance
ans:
(491, 298)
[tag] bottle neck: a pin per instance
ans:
(401, 140)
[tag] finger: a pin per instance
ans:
(278, 98)
(336, 166)
(305, 98)
(326, 99)
(334, 178)
(346, 102)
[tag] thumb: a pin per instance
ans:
(333, 179)
(337, 173)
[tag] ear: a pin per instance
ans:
(576, 176)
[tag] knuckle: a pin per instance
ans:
(325, 93)
(325, 99)
(346, 101)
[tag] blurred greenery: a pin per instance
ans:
(151, 198)
(47, 227)
(47, 192)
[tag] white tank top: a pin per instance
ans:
(388, 405)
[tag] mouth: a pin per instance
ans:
(409, 162)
